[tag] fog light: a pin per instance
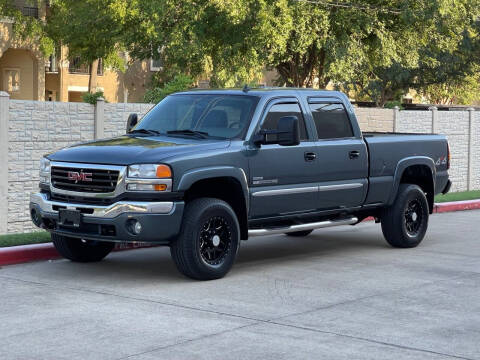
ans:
(137, 228)
(134, 227)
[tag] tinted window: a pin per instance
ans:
(280, 110)
(223, 116)
(331, 121)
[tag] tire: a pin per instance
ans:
(299, 233)
(78, 250)
(209, 239)
(405, 223)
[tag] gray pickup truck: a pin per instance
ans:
(206, 169)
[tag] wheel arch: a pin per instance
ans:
(226, 183)
(418, 170)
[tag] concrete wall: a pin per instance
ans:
(30, 129)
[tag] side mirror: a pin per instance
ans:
(131, 121)
(286, 134)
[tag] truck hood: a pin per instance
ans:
(127, 150)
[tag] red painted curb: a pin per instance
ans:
(26, 253)
(456, 206)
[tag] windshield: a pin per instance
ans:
(212, 116)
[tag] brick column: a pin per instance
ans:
(99, 119)
(4, 110)
(471, 134)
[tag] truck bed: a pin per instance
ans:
(389, 151)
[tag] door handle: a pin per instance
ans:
(310, 156)
(354, 154)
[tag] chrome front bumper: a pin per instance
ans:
(106, 212)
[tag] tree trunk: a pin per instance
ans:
(92, 80)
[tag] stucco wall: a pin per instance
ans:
(36, 128)
(23, 61)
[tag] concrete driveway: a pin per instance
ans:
(340, 293)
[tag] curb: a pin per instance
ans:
(456, 206)
(27, 253)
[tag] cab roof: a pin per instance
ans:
(267, 91)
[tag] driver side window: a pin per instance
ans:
(278, 111)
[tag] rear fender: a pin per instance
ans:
(403, 165)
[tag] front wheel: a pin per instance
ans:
(405, 223)
(79, 250)
(208, 242)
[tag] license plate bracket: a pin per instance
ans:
(69, 218)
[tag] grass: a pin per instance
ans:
(458, 196)
(24, 239)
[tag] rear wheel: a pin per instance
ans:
(208, 242)
(299, 233)
(405, 223)
(79, 250)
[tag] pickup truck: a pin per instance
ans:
(205, 169)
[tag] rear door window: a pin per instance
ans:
(331, 121)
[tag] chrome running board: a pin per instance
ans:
(302, 227)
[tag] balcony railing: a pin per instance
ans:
(77, 67)
(30, 11)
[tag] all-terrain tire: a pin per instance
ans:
(81, 250)
(299, 233)
(208, 242)
(405, 223)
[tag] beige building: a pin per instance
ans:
(26, 74)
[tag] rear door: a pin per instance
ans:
(283, 178)
(342, 156)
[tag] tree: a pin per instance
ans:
(27, 28)
(91, 29)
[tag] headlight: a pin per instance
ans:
(149, 177)
(149, 171)
(44, 171)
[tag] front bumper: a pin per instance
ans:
(161, 221)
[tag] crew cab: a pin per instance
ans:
(205, 169)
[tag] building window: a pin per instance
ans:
(156, 65)
(11, 80)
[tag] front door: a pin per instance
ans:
(283, 178)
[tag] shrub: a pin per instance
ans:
(92, 98)
(179, 83)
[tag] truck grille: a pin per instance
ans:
(84, 179)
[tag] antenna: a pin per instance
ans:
(246, 88)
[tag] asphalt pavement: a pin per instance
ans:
(340, 293)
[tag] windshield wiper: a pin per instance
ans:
(200, 134)
(145, 131)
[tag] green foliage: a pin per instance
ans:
(180, 82)
(27, 28)
(92, 29)
(392, 104)
(92, 98)
(461, 91)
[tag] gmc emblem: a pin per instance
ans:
(79, 176)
